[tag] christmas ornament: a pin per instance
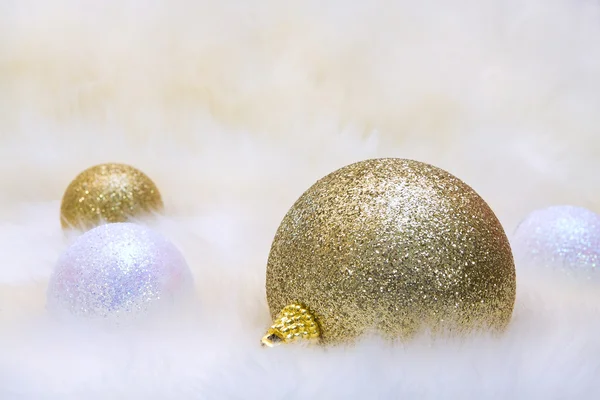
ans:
(389, 246)
(108, 193)
(117, 270)
(563, 237)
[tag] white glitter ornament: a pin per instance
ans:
(561, 237)
(118, 270)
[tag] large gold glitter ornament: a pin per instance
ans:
(108, 193)
(391, 246)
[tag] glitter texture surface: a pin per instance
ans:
(392, 246)
(108, 193)
(116, 270)
(563, 237)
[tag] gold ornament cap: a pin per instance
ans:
(108, 193)
(294, 322)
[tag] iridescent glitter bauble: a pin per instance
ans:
(108, 193)
(389, 246)
(563, 237)
(117, 270)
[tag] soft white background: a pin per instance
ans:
(234, 108)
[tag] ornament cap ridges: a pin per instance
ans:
(295, 322)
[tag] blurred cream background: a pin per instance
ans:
(235, 107)
(503, 94)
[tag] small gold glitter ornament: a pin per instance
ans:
(108, 193)
(390, 246)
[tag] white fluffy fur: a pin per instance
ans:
(234, 108)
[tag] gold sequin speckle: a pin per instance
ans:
(392, 246)
(108, 193)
